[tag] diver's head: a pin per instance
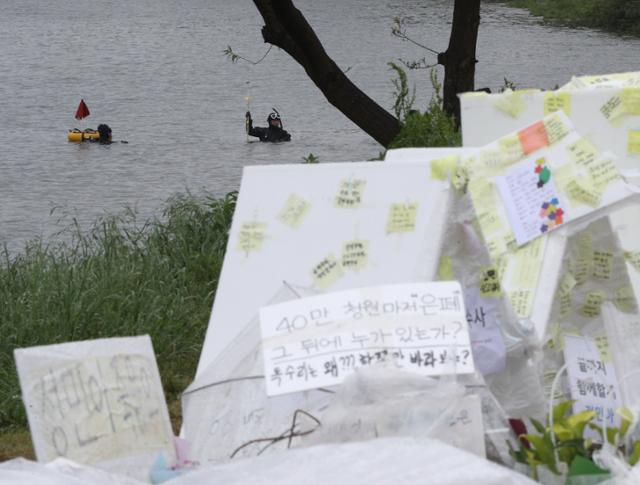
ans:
(105, 133)
(274, 120)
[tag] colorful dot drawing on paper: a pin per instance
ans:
(544, 174)
(350, 193)
(552, 213)
(251, 236)
(402, 217)
(533, 137)
(326, 272)
(293, 211)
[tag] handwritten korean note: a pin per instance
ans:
(294, 210)
(487, 343)
(592, 380)
(327, 272)
(350, 193)
(402, 217)
(251, 236)
(94, 401)
(530, 199)
(355, 254)
(557, 100)
(316, 342)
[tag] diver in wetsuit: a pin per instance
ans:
(105, 134)
(273, 132)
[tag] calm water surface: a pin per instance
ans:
(154, 71)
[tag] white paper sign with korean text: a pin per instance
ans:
(97, 402)
(318, 341)
(592, 381)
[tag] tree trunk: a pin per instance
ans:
(459, 60)
(286, 27)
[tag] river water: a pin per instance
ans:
(155, 72)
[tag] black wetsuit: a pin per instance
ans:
(272, 133)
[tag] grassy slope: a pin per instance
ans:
(118, 279)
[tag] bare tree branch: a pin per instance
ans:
(286, 27)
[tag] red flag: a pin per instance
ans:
(82, 111)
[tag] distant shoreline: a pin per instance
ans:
(613, 16)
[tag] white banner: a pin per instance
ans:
(316, 342)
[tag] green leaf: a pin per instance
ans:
(635, 455)
(627, 420)
(544, 449)
(597, 428)
(567, 454)
(537, 425)
(577, 422)
(560, 410)
(562, 432)
(611, 435)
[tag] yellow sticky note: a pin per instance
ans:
(355, 254)
(511, 103)
(564, 304)
(496, 245)
(593, 303)
(443, 168)
(582, 192)
(489, 282)
(526, 263)
(582, 152)
(625, 299)
(402, 217)
(556, 128)
(510, 148)
(633, 142)
(602, 343)
(563, 176)
(556, 101)
(612, 109)
(350, 193)
(294, 210)
(460, 178)
(490, 223)
(326, 272)
(603, 172)
(631, 100)
(567, 283)
(445, 269)
(522, 302)
(581, 268)
(585, 244)
(251, 236)
(565, 287)
(602, 263)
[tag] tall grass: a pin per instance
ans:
(431, 128)
(119, 278)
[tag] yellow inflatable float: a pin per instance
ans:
(86, 135)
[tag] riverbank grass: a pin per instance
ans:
(120, 278)
(617, 16)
